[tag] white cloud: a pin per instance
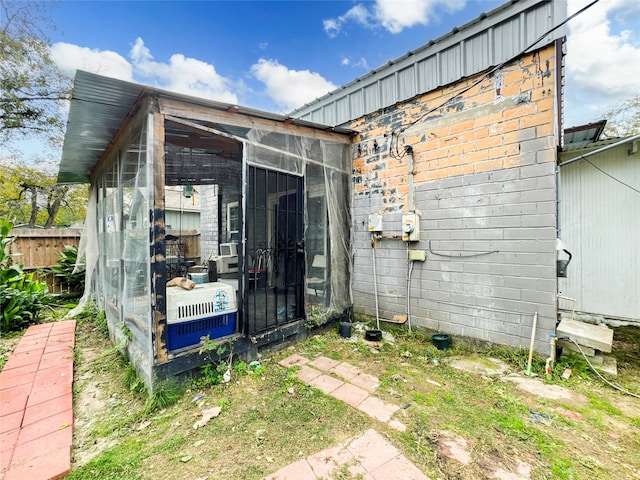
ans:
(287, 88)
(392, 15)
(70, 58)
(290, 88)
(360, 63)
(602, 64)
(182, 74)
(396, 16)
(358, 14)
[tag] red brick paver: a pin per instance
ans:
(355, 387)
(378, 409)
(370, 457)
(36, 407)
(326, 384)
(323, 363)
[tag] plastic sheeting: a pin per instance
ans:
(116, 243)
(324, 165)
(118, 236)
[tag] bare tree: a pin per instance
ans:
(623, 120)
(31, 196)
(31, 86)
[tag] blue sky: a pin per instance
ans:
(278, 55)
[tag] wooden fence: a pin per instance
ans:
(38, 248)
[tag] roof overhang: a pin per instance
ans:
(582, 135)
(101, 105)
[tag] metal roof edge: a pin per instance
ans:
(594, 148)
(483, 22)
(99, 105)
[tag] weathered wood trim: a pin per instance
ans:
(176, 108)
(158, 262)
(197, 127)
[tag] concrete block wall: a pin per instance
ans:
(484, 184)
(209, 221)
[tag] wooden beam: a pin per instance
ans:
(176, 108)
(158, 262)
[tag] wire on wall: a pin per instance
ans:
(460, 255)
(396, 153)
(610, 176)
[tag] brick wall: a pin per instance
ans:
(484, 184)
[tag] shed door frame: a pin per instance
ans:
(274, 267)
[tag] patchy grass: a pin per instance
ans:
(8, 345)
(269, 419)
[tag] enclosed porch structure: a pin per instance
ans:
(253, 207)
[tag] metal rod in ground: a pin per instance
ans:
(533, 338)
(375, 280)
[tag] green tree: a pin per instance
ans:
(31, 196)
(623, 120)
(31, 86)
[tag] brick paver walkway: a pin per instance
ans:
(370, 455)
(347, 383)
(36, 407)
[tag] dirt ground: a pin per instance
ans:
(462, 423)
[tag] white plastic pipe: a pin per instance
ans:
(375, 280)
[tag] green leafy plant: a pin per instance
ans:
(315, 317)
(65, 271)
(214, 372)
(123, 340)
(21, 295)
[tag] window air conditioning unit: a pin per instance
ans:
(229, 249)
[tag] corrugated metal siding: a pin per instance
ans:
(96, 101)
(477, 53)
(473, 48)
(600, 225)
(407, 82)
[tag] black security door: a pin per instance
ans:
(274, 267)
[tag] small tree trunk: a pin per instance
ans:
(56, 195)
(34, 206)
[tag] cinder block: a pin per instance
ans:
(588, 351)
(595, 336)
(538, 220)
(609, 365)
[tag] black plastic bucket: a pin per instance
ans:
(213, 271)
(561, 265)
(562, 268)
(441, 341)
(345, 329)
(373, 335)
